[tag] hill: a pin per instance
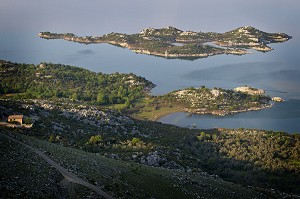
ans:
(248, 157)
(47, 80)
(121, 179)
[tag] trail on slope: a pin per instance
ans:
(67, 175)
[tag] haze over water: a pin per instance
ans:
(276, 71)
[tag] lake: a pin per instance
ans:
(277, 71)
(281, 117)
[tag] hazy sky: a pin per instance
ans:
(94, 17)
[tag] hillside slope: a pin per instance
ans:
(122, 179)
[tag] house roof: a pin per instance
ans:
(15, 117)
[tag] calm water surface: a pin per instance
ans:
(281, 117)
(277, 71)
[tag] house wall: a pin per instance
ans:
(16, 120)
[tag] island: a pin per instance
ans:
(173, 43)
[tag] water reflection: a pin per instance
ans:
(282, 117)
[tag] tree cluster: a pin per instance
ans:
(48, 80)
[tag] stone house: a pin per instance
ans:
(16, 118)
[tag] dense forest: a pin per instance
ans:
(248, 156)
(48, 80)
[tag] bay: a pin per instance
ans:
(281, 117)
(277, 71)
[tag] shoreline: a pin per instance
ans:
(220, 113)
(224, 112)
(221, 51)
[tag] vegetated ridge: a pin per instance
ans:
(47, 80)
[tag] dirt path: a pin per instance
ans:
(67, 175)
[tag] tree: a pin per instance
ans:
(134, 141)
(75, 96)
(101, 98)
(27, 120)
(201, 136)
(95, 140)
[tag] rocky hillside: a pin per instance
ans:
(266, 159)
(120, 179)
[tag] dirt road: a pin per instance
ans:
(67, 175)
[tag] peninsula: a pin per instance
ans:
(122, 92)
(171, 42)
(216, 101)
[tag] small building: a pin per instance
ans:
(16, 118)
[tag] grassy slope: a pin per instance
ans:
(129, 180)
(18, 167)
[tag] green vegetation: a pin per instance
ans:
(95, 140)
(85, 137)
(151, 108)
(121, 92)
(48, 80)
(215, 101)
(256, 157)
(131, 180)
(249, 157)
(25, 175)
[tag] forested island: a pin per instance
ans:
(171, 42)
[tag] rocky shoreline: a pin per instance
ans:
(202, 55)
(95, 40)
(224, 112)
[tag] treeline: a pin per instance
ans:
(249, 157)
(48, 80)
(194, 49)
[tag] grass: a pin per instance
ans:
(19, 166)
(131, 180)
(115, 106)
(149, 113)
(142, 110)
(12, 95)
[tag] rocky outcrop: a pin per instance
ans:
(277, 99)
(249, 90)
